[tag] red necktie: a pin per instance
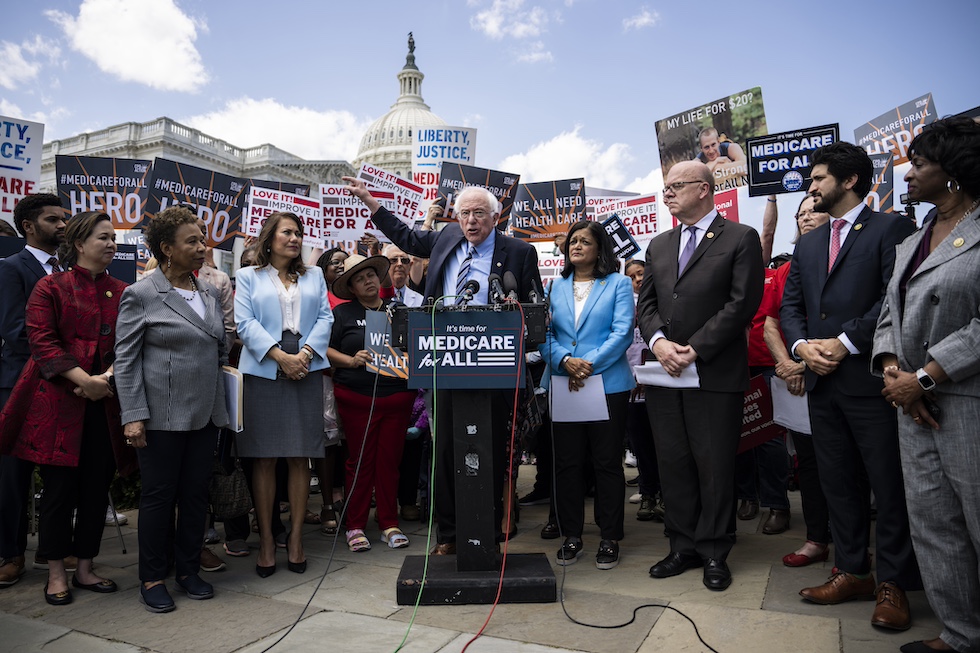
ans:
(837, 225)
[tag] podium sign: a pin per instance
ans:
(466, 349)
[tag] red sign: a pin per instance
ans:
(757, 420)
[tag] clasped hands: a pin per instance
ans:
(822, 355)
(578, 370)
(294, 366)
(94, 388)
(902, 389)
(672, 356)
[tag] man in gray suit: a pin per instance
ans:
(699, 293)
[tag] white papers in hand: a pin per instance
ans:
(653, 373)
(587, 404)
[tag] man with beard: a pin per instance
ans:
(830, 307)
(41, 220)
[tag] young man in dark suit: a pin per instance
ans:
(41, 220)
(470, 248)
(702, 285)
(830, 307)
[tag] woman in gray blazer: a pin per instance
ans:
(927, 345)
(169, 353)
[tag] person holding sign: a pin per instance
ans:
(284, 323)
(469, 249)
(925, 346)
(170, 347)
(590, 329)
(374, 406)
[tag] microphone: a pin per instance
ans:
(497, 293)
(532, 295)
(469, 290)
(510, 285)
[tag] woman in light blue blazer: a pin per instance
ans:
(284, 322)
(590, 330)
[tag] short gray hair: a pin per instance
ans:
(489, 197)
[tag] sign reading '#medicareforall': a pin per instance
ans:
(471, 349)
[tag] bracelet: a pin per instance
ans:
(889, 367)
(769, 199)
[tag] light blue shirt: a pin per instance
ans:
(479, 268)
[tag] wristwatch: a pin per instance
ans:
(926, 382)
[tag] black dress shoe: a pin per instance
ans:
(675, 564)
(296, 567)
(717, 577)
(748, 509)
(549, 531)
(58, 598)
(194, 587)
(265, 572)
(570, 551)
(157, 598)
(105, 586)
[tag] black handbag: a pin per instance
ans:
(228, 491)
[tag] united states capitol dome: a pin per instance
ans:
(387, 143)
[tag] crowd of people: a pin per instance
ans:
(874, 322)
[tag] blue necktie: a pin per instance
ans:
(464, 270)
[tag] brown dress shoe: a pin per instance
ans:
(778, 522)
(841, 587)
(11, 569)
(447, 549)
(892, 610)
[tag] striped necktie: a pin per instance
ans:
(464, 270)
(53, 262)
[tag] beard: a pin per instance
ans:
(826, 201)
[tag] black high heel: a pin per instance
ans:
(265, 572)
(296, 567)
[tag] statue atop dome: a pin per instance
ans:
(410, 58)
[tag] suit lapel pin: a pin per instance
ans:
(108, 293)
(499, 264)
(858, 226)
(602, 283)
(710, 234)
(958, 242)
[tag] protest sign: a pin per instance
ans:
(408, 194)
(134, 237)
(285, 186)
(545, 209)
(263, 202)
(781, 163)
(758, 424)
(431, 146)
(456, 176)
(894, 131)
(21, 145)
(624, 246)
(714, 133)
(215, 198)
(386, 359)
(346, 218)
(638, 215)
(726, 203)
(882, 195)
(117, 187)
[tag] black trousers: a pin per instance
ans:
(641, 444)
(696, 433)
(175, 468)
(408, 472)
(15, 485)
(579, 445)
(815, 511)
(83, 489)
(445, 482)
(853, 436)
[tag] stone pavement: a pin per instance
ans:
(354, 608)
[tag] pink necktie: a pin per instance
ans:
(837, 225)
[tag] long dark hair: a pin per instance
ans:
(263, 243)
(606, 262)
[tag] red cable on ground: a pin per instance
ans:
(510, 495)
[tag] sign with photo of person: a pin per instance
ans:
(457, 176)
(544, 209)
(781, 163)
(216, 198)
(21, 145)
(117, 187)
(714, 133)
(894, 131)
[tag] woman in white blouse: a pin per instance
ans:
(284, 322)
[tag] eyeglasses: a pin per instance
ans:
(400, 259)
(479, 214)
(678, 186)
(337, 262)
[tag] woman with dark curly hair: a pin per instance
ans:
(926, 345)
(62, 413)
(332, 264)
(170, 347)
(284, 322)
(590, 330)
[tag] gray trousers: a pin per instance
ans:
(942, 489)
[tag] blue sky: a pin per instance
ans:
(556, 88)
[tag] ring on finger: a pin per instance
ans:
(894, 404)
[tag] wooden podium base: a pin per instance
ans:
(528, 578)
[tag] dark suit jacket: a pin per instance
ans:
(822, 304)
(712, 303)
(18, 275)
(509, 254)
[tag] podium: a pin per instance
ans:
(471, 350)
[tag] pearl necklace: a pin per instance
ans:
(193, 289)
(580, 295)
